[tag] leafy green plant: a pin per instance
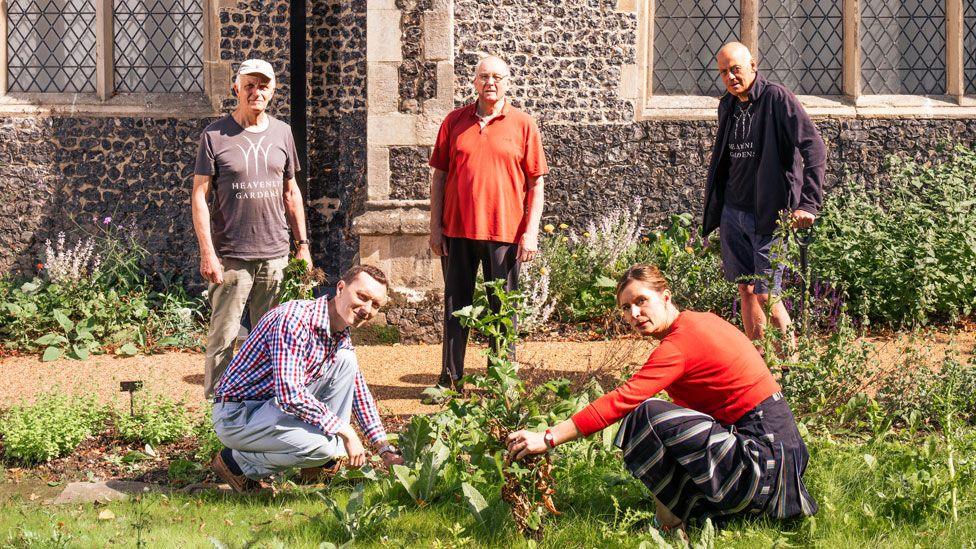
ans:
(207, 442)
(356, 518)
(904, 253)
(50, 427)
(420, 479)
(157, 419)
(299, 280)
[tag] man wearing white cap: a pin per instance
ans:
(247, 161)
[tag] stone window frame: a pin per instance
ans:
(104, 101)
(954, 104)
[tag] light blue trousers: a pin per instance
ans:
(265, 439)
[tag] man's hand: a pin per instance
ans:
(525, 443)
(354, 448)
(391, 458)
(802, 219)
(528, 247)
(303, 253)
(211, 269)
(437, 242)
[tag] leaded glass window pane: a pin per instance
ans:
(51, 45)
(801, 44)
(903, 47)
(158, 45)
(969, 38)
(687, 35)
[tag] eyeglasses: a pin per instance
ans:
(488, 77)
(734, 69)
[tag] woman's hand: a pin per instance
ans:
(525, 443)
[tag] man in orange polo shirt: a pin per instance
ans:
(486, 197)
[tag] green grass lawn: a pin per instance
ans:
(897, 496)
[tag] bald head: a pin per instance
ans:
(734, 50)
(493, 64)
(737, 69)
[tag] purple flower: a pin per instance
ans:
(107, 220)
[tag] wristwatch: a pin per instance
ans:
(550, 440)
(387, 448)
(302, 241)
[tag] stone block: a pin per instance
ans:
(382, 84)
(629, 5)
(412, 264)
(376, 223)
(428, 124)
(391, 129)
(374, 249)
(380, 5)
(629, 85)
(383, 36)
(438, 36)
(378, 172)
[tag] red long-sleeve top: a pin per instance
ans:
(704, 363)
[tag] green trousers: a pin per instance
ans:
(259, 280)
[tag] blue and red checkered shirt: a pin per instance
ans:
(291, 348)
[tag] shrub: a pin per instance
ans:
(905, 254)
(50, 427)
(156, 420)
(92, 297)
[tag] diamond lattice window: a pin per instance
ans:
(903, 47)
(51, 45)
(801, 44)
(686, 37)
(969, 50)
(158, 45)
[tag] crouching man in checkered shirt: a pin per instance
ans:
(287, 397)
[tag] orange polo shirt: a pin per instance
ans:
(704, 363)
(487, 172)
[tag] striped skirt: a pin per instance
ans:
(699, 468)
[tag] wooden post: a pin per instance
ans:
(749, 25)
(104, 51)
(955, 69)
(852, 50)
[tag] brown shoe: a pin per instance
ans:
(321, 474)
(238, 483)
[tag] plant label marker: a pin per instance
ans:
(131, 387)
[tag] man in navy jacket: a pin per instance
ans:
(768, 158)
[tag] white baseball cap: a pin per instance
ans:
(257, 66)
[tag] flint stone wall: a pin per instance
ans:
(567, 59)
(60, 172)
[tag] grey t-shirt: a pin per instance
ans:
(249, 171)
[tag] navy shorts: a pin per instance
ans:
(746, 256)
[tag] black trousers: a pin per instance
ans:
(498, 260)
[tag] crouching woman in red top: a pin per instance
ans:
(728, 444)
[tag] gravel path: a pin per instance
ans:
(397, 374)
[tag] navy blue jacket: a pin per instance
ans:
(792, 158)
